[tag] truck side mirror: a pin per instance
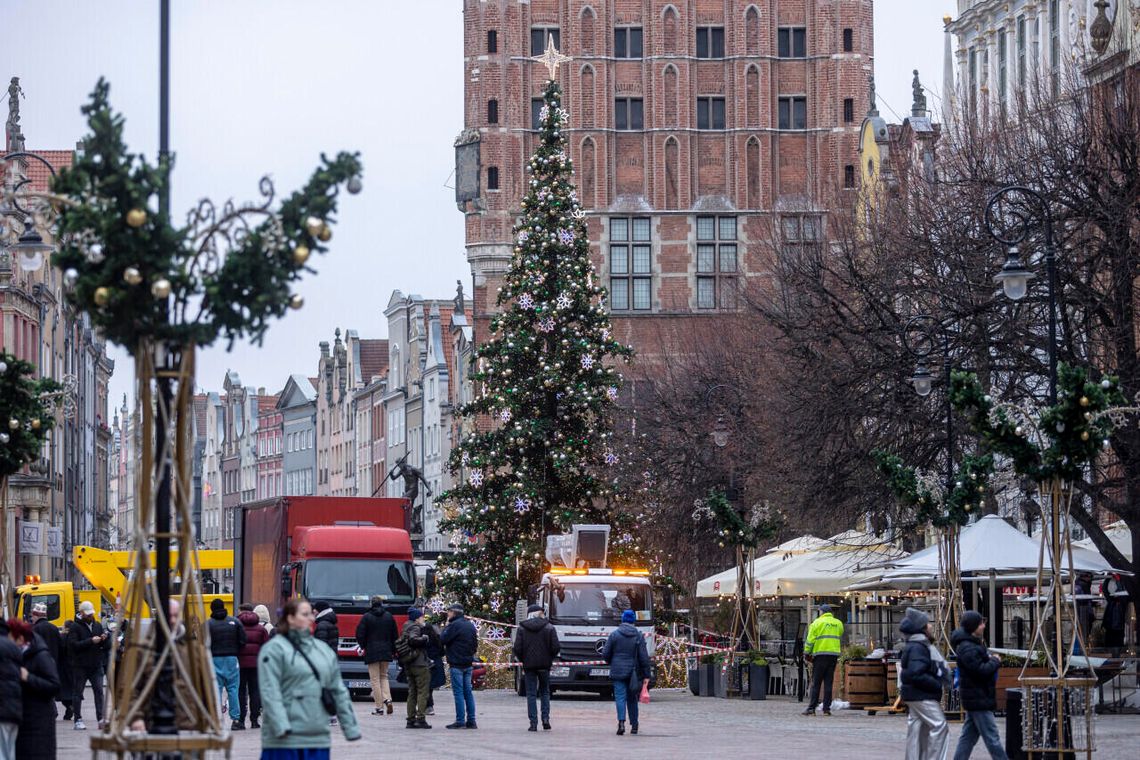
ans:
(429, 582)
(286, 582)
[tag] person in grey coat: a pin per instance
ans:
(924, 674)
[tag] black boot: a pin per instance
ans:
(621, 728)
(533, 727)
(633, 728)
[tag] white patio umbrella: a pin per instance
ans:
(724, 583)
(829, 569)
(1120, 536)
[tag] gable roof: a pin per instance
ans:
(373, 359)
(299, 390)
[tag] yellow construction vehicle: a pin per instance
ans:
(107, 572)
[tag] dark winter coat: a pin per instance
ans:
(37, 730)
(326, 629)
(47, 631)
(536, 644)
(376, 634)
(627, 654)
(255, 638)
(227, 635)
(86, 654)
(461, 642)
(976, 671)
(435, 654)
(11, 699)
(918, 671)
(418, 639)
(63, 664)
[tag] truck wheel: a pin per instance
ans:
(520, 684)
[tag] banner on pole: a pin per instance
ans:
(55, 542)
(32, 537)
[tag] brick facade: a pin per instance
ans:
(670, 171)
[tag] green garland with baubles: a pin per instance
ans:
(225, 274)
(938, 509)
(25, 416)
(734, 530)
(1071, 433)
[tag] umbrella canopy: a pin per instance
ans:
(1120, 536)
(841, 561)
(724, 583)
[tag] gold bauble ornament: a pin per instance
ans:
(36, 424)
(13, 424)
(1084, 435)
(301, 255)
(136, 217)
(1084, 400)
(160, 288)
(102, 295)
(313, 225)
(132, 276)
(296, 301)
(325, 233)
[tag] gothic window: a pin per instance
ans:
(752, 160)
(669, 31)
(586, 31)
(670, 105)
(586, 96)
(671, 173)
(589, 173)
(752, 31)
(752, 95)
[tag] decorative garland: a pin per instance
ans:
(226, 273)
(732, 527)
(25, 415)
(1069, 435)
(931, 505)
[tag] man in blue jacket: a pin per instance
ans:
(460, 642)
(977, 671)
(629, 668)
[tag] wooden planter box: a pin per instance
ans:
(864, 682)
(1007, 679)
(892, 681)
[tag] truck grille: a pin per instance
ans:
(577, 651)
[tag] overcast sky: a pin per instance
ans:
(264, 86)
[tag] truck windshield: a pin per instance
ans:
(358, 580)
(590, 603)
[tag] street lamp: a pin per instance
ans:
(720, 433)
(30, 248)
(922, 380)
(1014, 277)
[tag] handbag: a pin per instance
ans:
(644, 698)
(328, 697)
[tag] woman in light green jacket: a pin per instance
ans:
(294, 723)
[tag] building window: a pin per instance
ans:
(716, 262)
(710, 113)
(629, 113)
(1003, 60)
(973, 74)
(848, 40)
(1021, 51)
(492, 111)
(535, 113)
(492, 178)
(710, 42)
(791, 42)
(848, 110)
(627, 41)
(849, 176)
(1055, 46)
(793, 112)
(630, 264)
(801, 237)
(538, 36)
(492, 41)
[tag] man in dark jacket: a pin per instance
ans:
(326, 629)
(922, 672)
(376, 634)
(461, 641)
(11, 699)
(418, 668)
(977, 671)
(39, 683)
(249, 695)
(88, 644)
(536, 645)
(53, 642)
(628, 658)
(227, 637)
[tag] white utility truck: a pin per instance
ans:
(584, 600)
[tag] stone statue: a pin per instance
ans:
(12, 128)
(871, 92)
(918, 107)
(459, 304)
(412, 478)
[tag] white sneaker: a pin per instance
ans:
(80, 726)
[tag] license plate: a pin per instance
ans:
(560, 672)
(604, 672)
(358, 684)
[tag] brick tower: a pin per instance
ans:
(705, 135)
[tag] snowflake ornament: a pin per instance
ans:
(578, 213)
(526, 301)
(587, 361)
(476, 478)
(464, 457)
(505, 415)
(495, 633)
(546, 324)
(566, 237)
(522, 505)
(563, 115)
(605, 333)
(436, 605)
(612, 393)
(543, 113)
(523, 236)
(563, 301)
(611, 458)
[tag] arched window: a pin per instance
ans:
(752, 96)
(669, 95)
(492, 111)
(752, 169)
(588, 35)
(589, 173)
(752, 31)
(586, 97)
(672, 170)
(669, 24)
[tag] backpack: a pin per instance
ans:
(404, 653)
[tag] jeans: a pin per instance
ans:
(381, 689)
(822, 673)
(419, 680)
(927, 733)
(537, 685)
(82, 677)
(979, 723)
(625, 698)
(229, 678)
(464, 694)
(249, 695)
(8, 732)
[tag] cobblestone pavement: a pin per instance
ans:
(675, 725)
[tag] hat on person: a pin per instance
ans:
(217, 605)
(629, 616)
(414, 614)
(914, 621)
(971, 620)
(39, 608)
(246, 607)
(320, 606)
(534, 608)
(86, 608)
(457, 607)
(824, 608)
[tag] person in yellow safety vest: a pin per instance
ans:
(821, 648)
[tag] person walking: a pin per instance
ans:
(977, 670)
(536, 645)
(326, 629)
(11, 693)
(39, 683)
(923, 673)
(461, 642)
(628, 658)
(821, 648)
(66, 679)
(411, 648)
(88, 647)
(249, 696)
(376, 634)
(227, 637)
(262, 613)
(295, 672)
(52, 640)
(1115, 614)
(436, 675)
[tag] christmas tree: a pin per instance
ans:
(545, 382)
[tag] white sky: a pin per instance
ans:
(263, 86)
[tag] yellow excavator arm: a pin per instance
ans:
(107, 570)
